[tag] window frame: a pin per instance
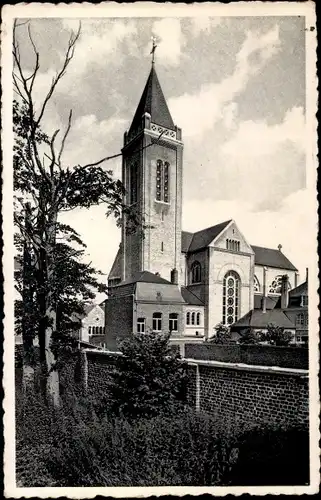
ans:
(141, 325)
(173, 319)
(157, 318)
(196, 272)
(234, 297)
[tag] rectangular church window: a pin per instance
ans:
(166, 182)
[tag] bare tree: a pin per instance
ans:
(52, 187)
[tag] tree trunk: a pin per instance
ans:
(47, 324)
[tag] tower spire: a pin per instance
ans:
(153, 49)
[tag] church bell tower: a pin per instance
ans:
(152, 176)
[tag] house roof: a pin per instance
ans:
(115, 271)
(186, 240)
(190, 298)
(153, 102)
(145, 277)
(299, 290)
(272, 258)
(256, 318)
(201, 239)
(271, 301)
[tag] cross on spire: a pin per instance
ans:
(153, 49)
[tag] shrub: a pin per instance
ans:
(222, 335)
(248, 337)
(149, 378)
(186, 449)
(275, 335)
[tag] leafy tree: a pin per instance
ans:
(74, 285)
(276, 335)
(222, 335)
(52, 187)
(248, 336)
(149, 377)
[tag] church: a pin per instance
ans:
(163, 278)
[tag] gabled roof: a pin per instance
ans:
(115, 271)
(271, 301)
(299, 290)
(203, 238)
(256, 318)
(153, 102)
(145, 277)
(190, 297)
(272, 258)
(186, 240)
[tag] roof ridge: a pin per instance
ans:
(211, 227)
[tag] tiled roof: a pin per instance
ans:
(271, 301)
(299, 290)
(190, 297)
(145, 277)
(153, 102)
(258, 319)
(186, 240)
(203, 238)
(272, 258)
(115, 271)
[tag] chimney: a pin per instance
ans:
(279, 247)
(174, 276)
(284, 291)
(264, 291)
(306, 274)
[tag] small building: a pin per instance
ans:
(289, 311)
(92, 328)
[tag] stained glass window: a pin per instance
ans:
(256, 284)
(162, 181)
(231, 297)
(196, 272)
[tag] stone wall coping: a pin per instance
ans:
(251, 368)
(100, 351)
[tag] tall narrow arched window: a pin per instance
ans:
(256, 284)
(133, 183)
(193, 318)
(198, 318)
(162, 181)
(196, 272)
(166, 182)
(159, 168)
(89, 330)
(231, 297)
(188, 318)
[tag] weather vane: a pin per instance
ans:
(153, 48)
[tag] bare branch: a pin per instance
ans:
(33, 74)
(65, 137)
(53, 154)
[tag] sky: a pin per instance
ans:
(236, 87)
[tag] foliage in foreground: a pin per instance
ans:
(149, 377)
(77, 448)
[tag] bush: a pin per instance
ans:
(276, 335)
(187, 449)
(149, 378)
(222, 335)
(248, 337)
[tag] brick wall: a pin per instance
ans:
(249, 393)
(288, 357)
(253, 394)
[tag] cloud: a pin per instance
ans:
(198, 112)
(90, 140)
(257, 138)
(204, 24)
(169, 41)
(98, 42)
(293, 225)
